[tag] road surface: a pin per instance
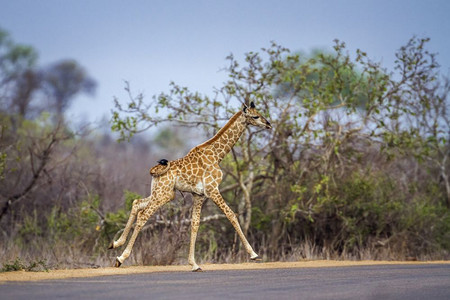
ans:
(358, 282)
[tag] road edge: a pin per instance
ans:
(24, 276)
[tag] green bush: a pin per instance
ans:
(18, 265)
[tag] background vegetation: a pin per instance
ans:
(356, 166)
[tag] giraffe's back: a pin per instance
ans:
(190, 171)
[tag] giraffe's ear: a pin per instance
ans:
(252, 105)
(244, 108)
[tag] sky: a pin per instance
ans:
(151, 43)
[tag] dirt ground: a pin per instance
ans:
(125, 270)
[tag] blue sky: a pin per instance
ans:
(150, 43)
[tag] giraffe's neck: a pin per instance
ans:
(227, 137)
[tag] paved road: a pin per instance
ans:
(364, 282)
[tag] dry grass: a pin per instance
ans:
(78, 273)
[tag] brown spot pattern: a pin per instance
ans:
(198, 173)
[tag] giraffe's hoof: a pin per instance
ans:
(256, 258)
(111, 246)
(198, 270)
(118, 263)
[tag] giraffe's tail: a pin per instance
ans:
(161, 168)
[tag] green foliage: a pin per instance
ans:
(64, 80)
(325, 79)
(356, 165)
(365, 209)
(2, 165)
(114, 221)
(342, 127)
(260, 220)
(129, 198)
(18, 265)
(168, 140)
(14, 58)
(76, 222)
(82, 224)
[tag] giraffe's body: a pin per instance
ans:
(198, 173)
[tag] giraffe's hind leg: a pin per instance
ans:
(138, 205)
(156, 201)
(195, 223)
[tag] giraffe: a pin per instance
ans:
(198, 173)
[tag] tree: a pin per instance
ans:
(29, 142)
(339, 123)
(65, 79)
(29, 158)
(417, 108)
(23, 84)
(18, 77)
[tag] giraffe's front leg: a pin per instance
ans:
(195, 223)
(231, 216)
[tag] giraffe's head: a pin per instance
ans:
(253, 117)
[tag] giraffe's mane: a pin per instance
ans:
(221, 131)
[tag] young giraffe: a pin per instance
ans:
(198, 173)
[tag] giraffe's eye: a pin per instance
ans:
(255, 117)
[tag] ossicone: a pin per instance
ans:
(244, 106)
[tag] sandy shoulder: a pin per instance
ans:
(125, 270)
